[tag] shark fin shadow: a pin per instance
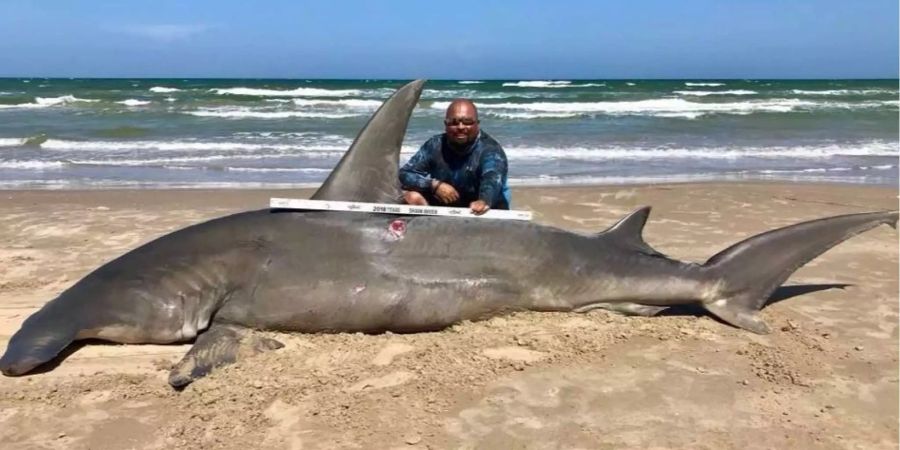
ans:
(781, 294)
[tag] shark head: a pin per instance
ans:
(368, 171)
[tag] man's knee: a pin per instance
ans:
(414, 198)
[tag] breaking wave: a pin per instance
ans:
(705, 93)
(875, 148)
(46, 102)
(134, 102)
(298, 92)
(538, 84)
(246, 113)
(671, 107)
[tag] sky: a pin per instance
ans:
(462, 39)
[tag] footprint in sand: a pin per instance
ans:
(513, 354)
(389, 380)
(286, 429)
(388, 353)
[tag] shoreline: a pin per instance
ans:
(311, 187)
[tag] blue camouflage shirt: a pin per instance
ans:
(477, 173)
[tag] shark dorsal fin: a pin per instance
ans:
(368, 171)
(628, 232)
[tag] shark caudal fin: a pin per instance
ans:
(751, 270)
(368, 171)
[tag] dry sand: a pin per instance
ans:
(827, 377)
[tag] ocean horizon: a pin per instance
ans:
(88, 133)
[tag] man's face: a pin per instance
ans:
(461, 124)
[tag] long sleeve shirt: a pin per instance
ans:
(477, 173)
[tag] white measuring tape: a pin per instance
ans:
(389, 208)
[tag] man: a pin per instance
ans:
(461, 167)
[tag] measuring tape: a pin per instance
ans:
(389, 208)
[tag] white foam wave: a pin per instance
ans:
(352, 103)
(152, 162)
(551, 84)
(470, 82)
(833, 92)
(823, 169)
(163, 89)
(52, 101)
(704, 84)
(479, 95)
(282, 135)
(12, 142)
(538, 84)
(32, 165)
(134, 102)
(278, 169)
(798, 175)
(527, 116)
(706, 93)
(875, 148)
(630, 84)
(59, 184)
(46, 102)
(669, 107)
(298, 92)
(321, 144)
(252, 114)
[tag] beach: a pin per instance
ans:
(826, 377)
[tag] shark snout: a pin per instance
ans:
(13, 367)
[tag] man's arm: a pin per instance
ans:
(414, 175)
(493, 170)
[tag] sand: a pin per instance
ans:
(827, 377)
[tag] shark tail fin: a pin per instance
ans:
(749, 271)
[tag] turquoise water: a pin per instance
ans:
(95, 133)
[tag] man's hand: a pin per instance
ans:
(414, 198)
(445, 192)
(479, 207)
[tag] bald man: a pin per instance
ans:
(461, 167)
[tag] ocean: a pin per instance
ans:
(242, 133)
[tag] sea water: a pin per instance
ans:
(105, 133)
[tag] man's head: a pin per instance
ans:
(461, 122)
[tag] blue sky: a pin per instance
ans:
(457, 40)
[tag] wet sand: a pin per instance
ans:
(827, 377)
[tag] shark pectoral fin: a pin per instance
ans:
(737, 314)
(218, 346)
(628, 309)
